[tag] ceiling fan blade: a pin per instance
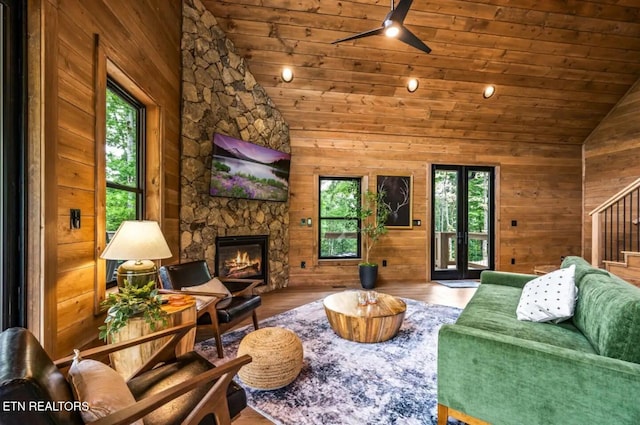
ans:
(408, 37)
(400, 12)
(360, 35)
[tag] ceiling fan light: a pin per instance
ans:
(391, 29)
(287, 75)
(412, 85)
(488, 91)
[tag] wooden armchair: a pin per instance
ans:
(219, 313)
(167, 390)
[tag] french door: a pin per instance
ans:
(462, 242)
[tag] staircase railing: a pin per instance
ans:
(615, 225)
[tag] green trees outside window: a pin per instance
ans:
(339, 236)
(124, 161)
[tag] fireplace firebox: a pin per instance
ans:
(242, 257)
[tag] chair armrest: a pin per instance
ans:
(248, 285)
(199, 293)
(224, 374)
(177, 332)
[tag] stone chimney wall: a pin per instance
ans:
(220, 95)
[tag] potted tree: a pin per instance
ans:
(373, 213)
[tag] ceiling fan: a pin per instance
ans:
(392, 26)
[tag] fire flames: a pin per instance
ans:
(242, 265)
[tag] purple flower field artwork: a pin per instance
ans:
(244, 170)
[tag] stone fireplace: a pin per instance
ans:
(242, 257)
(220, 95)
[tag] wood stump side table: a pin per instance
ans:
(127, 361)
(276, 358)
(371, 323)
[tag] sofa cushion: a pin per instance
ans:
(213, 285)
(549, 298)
(102, 389)
(608, 313)
(493, 308)
(583, 268)
(175, 411)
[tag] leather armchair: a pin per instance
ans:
(183, 390)
(222, 313)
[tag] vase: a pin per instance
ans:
(368, 276)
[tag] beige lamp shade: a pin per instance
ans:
(139, 242)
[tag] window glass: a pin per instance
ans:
(124, 163)
(339, 200)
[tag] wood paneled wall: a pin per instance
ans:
(537, 185)
(143, 39)
(611, 155)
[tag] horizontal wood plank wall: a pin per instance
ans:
(611, 157)
(539, 186)
(143, 39)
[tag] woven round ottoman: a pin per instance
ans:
(276, 355)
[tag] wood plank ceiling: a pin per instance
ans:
(558, 66)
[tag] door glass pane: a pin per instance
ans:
(478, 219)
(446, 218)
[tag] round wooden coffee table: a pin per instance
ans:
(370, 323)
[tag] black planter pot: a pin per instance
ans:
(368, 276)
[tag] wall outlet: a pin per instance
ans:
(514, 223)
(303, 264)
(384, 263)
(513, 261)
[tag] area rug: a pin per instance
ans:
(344, 382)
(459, 283)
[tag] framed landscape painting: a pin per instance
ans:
(397, 197)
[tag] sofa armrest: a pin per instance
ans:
(517, 280)
(504, 379)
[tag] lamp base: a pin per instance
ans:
(137, 272)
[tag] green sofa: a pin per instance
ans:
(586, 370)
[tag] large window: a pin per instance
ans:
(339, 200)
(124, 162)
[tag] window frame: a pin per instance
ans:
(154, 178)
(360, 181)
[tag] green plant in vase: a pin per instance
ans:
(129, 302)
(373, 214)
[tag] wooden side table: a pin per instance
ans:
(127, 361)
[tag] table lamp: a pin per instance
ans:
(138, 242)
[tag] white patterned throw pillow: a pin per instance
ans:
(549, 298)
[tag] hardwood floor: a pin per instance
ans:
(286, 299)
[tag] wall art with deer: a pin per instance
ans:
(397, 197)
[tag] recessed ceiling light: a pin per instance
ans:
(287, 75)
(412, 85)
(488, 91)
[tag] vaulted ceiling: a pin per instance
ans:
(558, 66)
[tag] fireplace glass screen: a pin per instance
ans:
(241, 257)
